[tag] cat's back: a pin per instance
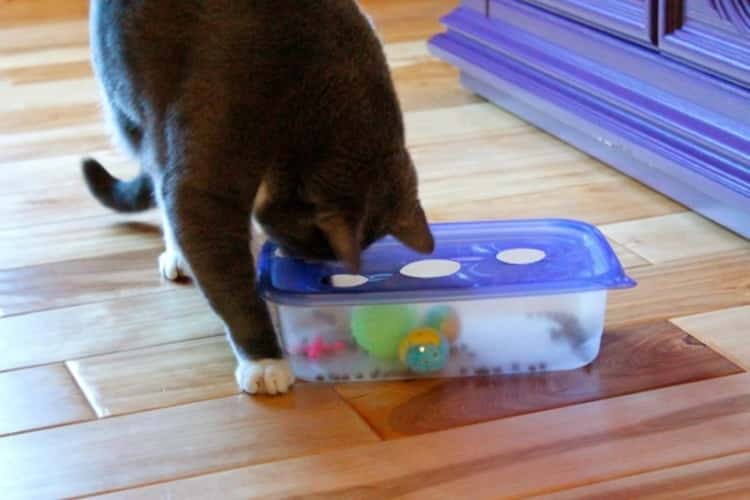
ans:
(292, 62)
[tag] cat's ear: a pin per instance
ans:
(343, 236)
(414, 231)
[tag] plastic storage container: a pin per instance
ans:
(495, 297)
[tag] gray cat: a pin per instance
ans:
(281, 109)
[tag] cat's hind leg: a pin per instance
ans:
(172, 265)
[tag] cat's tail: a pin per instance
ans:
(134, 195)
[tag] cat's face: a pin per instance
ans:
(338, 214)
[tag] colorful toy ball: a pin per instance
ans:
(445, 320)
(380, 329)
(424, 350)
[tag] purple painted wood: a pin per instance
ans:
(711, 34)
(634, 19)
(608, 52)
(698, 155)
(478, 5)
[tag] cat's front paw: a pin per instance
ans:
(172, 266)
(267, 376)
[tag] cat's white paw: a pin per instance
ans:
(171, 266)
(267, 376)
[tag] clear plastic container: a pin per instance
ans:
(495, 297)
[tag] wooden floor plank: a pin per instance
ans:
(50, 72)
(49, 93)
(58, 170)
(721, 478)
(490, 185)
(596, 203)
(90, 295)
(458, 122)
(42, 58)
(628, 259)
(521, 456)
(673, 237)
(80, 281)
(44, 206)
(28, 200)
(132, 450)
(412, 20)
(78, 139)
(126, 382)
(727, 331)
(633, 359)
(405, 54)
(40, 397)
(56, 34)
(683, 288)
(422, 81)
(41, 11)
(104, 327)
(420, 86)
(50, 117)
(79, 239)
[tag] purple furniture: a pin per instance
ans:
(660, 89)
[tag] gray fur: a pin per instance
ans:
(221, 99)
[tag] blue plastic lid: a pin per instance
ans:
(562, 256)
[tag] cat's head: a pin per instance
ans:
(337, 209)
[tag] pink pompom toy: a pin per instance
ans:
(318, 348)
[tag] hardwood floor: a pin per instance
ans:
(115, 383)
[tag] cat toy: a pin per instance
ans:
(396, 333)
(318, 348)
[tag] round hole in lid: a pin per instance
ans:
(521, 256)
(431, 268)
(346, 280)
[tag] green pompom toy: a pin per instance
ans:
(380, 329)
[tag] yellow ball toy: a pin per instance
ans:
(424, 350)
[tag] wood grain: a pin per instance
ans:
(400, 21)
(76, 288)
(50, 117)
(19, 176)
(43, 57)
(93, 237)
(176, 442)
(683, 288)
(514, 457)
(40, 397)
(422, 80)
(157, 377)
(419, 86)
(721, 478)
(632, 359)
(27, 40)
(77, 139)
(673, 237)
(80, 281)
(104, 327)
(628, 259)
(598, 203)
(27, 195)
(47, 93)
(727, 331)
(40, 11)
(458, 123)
